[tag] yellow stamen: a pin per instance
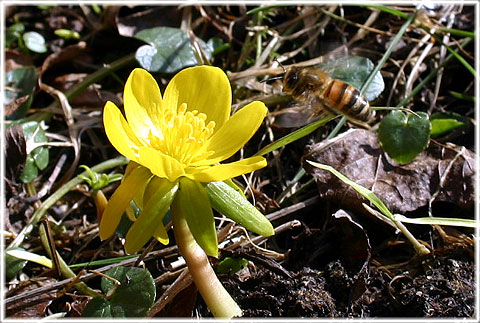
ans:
(183, 135)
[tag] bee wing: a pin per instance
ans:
(298, 116)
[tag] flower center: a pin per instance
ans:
(183, 135)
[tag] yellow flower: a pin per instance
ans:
(174, 142)
(188, 131)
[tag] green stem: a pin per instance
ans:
(48, 203)
(218, 300)
(64, 269)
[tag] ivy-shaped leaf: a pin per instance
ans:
(132, 298)
(168, 50)
(404, 136)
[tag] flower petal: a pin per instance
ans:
(119, 132)
(225, 171)
(235, 132)
(160, 164)
(161, 235)
(130, 186)
(147, 224)
(142, 102)
(203, 88)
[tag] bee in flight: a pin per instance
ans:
(319, 92)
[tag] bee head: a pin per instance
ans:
(290, 79)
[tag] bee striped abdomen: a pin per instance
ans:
(348, 100)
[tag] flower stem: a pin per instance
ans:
(218, 300)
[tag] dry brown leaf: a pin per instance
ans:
(15, 152)
(14, 59)
(403, 188)
(33, 307)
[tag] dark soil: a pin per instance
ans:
(434, 286)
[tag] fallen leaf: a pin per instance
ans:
(15, 151)
(33, 307)
(128, 24)
(403, 188)
(14, 59)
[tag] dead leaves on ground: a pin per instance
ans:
(448, 169)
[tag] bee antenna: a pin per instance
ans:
(272, 79)
(280, 64)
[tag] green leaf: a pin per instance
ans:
(294, 136)
(132, 298)
(98, 307)
(231, 265)
(438, 221)
(217, 45)
(13, 265)
(152, 215)
(35, 42)
(365, 192)
(233, 205)
(30, 170)
(168, 50)
(443, 123)
(37, 158)
(20, 82)
(13, 33)
(193, 203)
(355, 70)
(404, 136)
(30, 256)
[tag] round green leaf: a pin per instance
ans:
(13, 265)
(98, 307)
(168, 50)
(404, 136)
(35, 42)
(132, 298)
(355, 70)
(235, 206)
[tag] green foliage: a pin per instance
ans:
(34, 41)
(20, 82)
(217, 45)
(231, 265)
(403, 136)
(67, 34)
(37, 154)
(132, 298)
(13, 265)
(169, 50)
(98, 181)
(235, 206)
(294, 136)
(443, 123)
(13, 34)
(355, 70)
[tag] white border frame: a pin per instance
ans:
(223, 2)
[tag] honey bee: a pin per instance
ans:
(319, 92)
